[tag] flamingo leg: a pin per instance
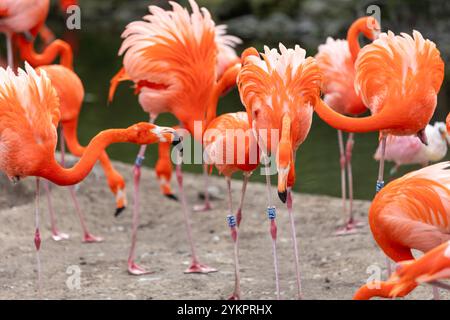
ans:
(56, 235)
(271, 214)
(294, 242)
(241, 203)
(231, 219)
(87, 236)
(436, 294)
(380, 185)
(37, 239)
(196, 266)
(206, 206)
(352, 223)
(342, 162)
(9, 50)
(133, 268)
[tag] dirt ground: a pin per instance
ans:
(332, 267)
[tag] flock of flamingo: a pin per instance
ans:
(182, 63)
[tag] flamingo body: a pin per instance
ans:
(404, 150)
(22, 15)
(335, 61)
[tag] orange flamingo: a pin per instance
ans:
(29, 116)
(336, 59)
(231, 147)
(164, 170)
(71, 93)
(279, 91)
(20, 16)
(412, 212)
(398, 78)
(180, 63)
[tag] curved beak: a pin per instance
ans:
(177, 142)
(282, 183)
(423, 137)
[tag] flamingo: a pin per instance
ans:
(336, 59)
(20, 16)
(71, 93)
(404, 150)
(412, 212)
(180, 63)
(231, 147)
(398, 79)
(29, 116)
(279, 91)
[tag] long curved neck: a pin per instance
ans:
(74, 146)
(375, 122)
(51, 52)
(382, 289)
(62, 176)
(352, 37)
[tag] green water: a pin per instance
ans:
(318, 169)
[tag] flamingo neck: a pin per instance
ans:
(51, 52)
(62, 176)
(352, 37)
(382, 289)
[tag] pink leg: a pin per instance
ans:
(241, 204)
(294, 243)
(234, 236)
(37, 240)
(196, 266)
(9, 50)
(343, 161)
(133, 268)
(206, 206)
(56, 235)
(436, 294)
(87, 236)
(380, 185)
(271, 214)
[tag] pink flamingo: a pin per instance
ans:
(231, 147)
(336, 59)
(406, 150)
(180, 63)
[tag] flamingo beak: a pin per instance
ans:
(423, 137)
(282, 183)
(177, 142)
(121, 202)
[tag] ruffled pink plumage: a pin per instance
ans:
(335, 61)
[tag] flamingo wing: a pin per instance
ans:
(178, 52)
(405, 67)
(279, 83)
(29, 115)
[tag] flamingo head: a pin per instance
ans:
(371, 28)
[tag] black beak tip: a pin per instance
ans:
(119, 211)
(282, 196)
(171, 197)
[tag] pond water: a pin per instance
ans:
(318, 169)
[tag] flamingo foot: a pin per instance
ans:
(58, 236)
(89, 238)
(234, 296)
(347, 230)
(199, 268)
(137, 270)
(203, 207)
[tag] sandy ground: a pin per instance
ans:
(332, 267)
